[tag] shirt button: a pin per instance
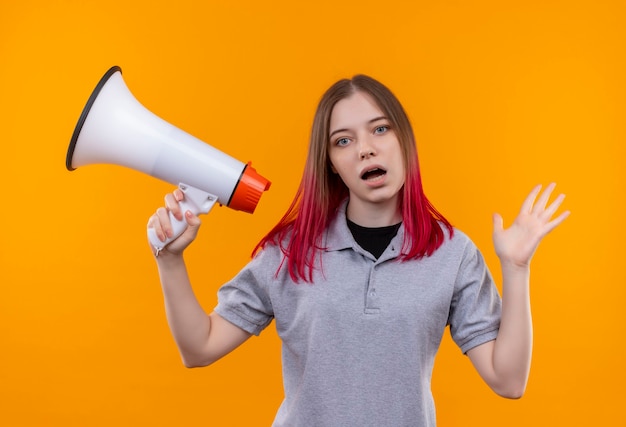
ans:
(373, 293)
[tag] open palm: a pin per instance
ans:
(516, 244)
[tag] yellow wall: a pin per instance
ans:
(503, 95)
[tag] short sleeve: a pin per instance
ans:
(476, 304)
(244, 300)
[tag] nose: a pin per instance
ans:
(366, 149)
(366, 154)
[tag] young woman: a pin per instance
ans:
(362, 275)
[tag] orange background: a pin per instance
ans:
(503, 95)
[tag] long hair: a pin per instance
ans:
(299, 232)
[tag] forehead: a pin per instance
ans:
(357, 109)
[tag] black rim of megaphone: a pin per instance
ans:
(85, 113)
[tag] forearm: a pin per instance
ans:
(187, 320)
(505, 362)
(513, 347)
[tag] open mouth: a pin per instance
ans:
(372, 174)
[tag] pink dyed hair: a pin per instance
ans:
(299, 232)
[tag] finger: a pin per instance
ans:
(155, 224)
(540, 205)
(179, 195)
(171, 202)
(530, 200)
(550, 210)
(555, 222)
(163, 218)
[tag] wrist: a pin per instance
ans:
(165, 258)
(514, 269)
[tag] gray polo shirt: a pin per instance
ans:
(358, 344)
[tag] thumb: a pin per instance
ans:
(497, 222)
(193, 223)
(192, 219)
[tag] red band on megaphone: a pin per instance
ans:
(249, 189)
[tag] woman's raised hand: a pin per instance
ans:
(516, 245)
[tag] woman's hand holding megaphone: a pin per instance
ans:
(163, 222)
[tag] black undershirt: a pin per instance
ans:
(373, 239)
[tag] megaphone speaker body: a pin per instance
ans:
(115, 128)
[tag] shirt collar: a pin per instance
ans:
(339, 237)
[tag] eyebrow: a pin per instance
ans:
(369, 122)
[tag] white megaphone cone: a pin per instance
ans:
(114, 128)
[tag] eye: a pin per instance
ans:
(381, 129)
(341, 142)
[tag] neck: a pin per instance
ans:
(374, 214)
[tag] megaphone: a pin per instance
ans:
(114, 128)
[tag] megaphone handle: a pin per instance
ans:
(197, 201)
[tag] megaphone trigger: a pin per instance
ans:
(197, 201)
